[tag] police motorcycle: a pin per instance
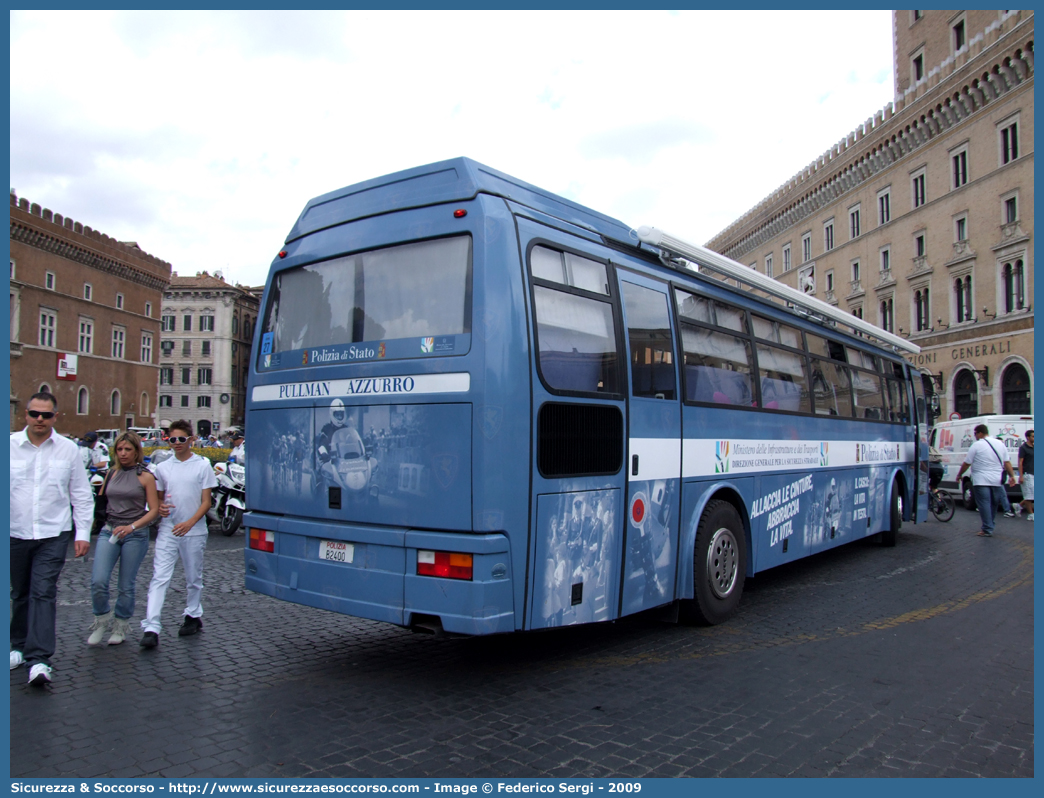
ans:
(343, 460)
(230, 495)
(97, 479)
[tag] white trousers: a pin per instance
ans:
(190, 549)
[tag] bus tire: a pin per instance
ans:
(968, 495)
(890, 536)
(719, 566)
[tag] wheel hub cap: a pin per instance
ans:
(722, 562)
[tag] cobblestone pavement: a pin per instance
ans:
(863, 661)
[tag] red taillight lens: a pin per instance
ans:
(262, 540)
(448, 564)
(460, 213)
(282, 254)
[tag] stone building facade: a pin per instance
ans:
(921, 220)
(207, 327)
(77, 292)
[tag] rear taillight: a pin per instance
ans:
(448, 564)
(262, 540)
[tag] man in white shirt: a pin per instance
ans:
(184, 482)
(988, 460)
(47, 476)
(238, 451)
(99, 453)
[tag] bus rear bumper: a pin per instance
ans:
(381, 581)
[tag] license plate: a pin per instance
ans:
(336, 550)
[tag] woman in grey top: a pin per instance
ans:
(133, 504)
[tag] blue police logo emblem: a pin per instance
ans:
(445, 467)
(490, 420)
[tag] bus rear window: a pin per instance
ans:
(413, 291)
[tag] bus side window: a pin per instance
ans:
(784, 380)
(651, 342)
(899, 408)
(831, 389)
(866, 391)
(717, 367)
(576, 331)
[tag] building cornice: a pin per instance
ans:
(996, 63)
(56, 246)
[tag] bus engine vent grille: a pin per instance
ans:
(579, 440)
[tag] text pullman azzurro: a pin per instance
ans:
(371, 385)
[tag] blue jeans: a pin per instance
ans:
(35, 567)
(130, 551)
(987, 499)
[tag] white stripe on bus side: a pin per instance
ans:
(658, 458)
(740, 457)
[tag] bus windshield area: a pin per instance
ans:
(417, 292)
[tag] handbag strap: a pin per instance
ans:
(995, 454)
(101, 490)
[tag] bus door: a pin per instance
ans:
(922, 416)
(653, 463)
(577, 482)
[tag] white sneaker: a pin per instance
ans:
(119, 632)
(40, 674)
(1029, 517)
(99, 628)
(17, 660)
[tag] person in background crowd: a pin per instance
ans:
(1005, 504)
(85, 446)
(988, 462)
(1026, 474)
(132, 505)
(99, 451)
(49, 493)
(185, 482)
(238, 452)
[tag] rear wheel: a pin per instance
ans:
(719, 566)
(968, 495)
(890, 536)
(943, 506)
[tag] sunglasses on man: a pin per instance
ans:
(44, 414)
(178, 439)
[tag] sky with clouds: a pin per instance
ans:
(201, 135)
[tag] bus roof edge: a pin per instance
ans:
(712, 260)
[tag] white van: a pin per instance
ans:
(952, 439)
(108, 436)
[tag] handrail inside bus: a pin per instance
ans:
(803, 304)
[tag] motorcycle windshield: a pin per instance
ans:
(348, 445)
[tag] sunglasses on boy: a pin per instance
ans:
(44, 414)
(178, 439)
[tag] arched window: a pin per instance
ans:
(962, 298)
(1015, 391)
(1014, 286)
(923, 311)
(235, 324)
(246, 327)
(887, 315)
(83, 402)
(114, 403)
(144, 404)
(965, 394)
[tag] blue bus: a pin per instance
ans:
(477, 407)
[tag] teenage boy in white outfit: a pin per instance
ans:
(184, 483)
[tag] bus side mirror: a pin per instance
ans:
(935, 406)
